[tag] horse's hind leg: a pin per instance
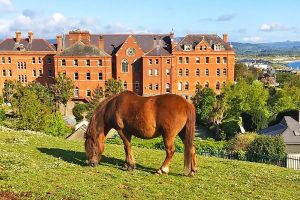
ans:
(170, 149)
(129, 160)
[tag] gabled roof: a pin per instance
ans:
(10, 44)
(113, 42)
(288, 128)
(80, 49)
(194, 39)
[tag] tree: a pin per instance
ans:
(63, 89)
(79, 110)
(8, 90)
(55, 125)
(97, 95)
(113, 87)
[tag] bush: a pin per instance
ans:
(266, 149)
(78, 111)
(241, 141)
(55, 125)
(2, 115)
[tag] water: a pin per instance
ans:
(295, 65)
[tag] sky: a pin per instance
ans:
(253, 21)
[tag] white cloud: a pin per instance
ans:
(5, 6)
(253, 39)
(276, 27)
(221, 18)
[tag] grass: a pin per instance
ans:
(37, 166)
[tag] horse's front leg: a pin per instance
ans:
(129, 160)
(170, 150)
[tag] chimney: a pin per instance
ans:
(59, 42)
(101, 43)
(225, 37)
(172, 40)
(30, 37)
(18, 36)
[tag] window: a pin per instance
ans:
(207, 60)
(3, 59)
(19, 65)
(206, 72)
(186, 86)
(168, 87)
(186, 72)
(75, 63)
(218, 72)
(168, 72)
(63, 62)
(49, 61)
(24, 65)
(137, 85)
(224, 72)
(156, 86)
(204, 48)
(88, 93)
(179, 86)
(34, 73)
(155, 72)
(150, 86)
(218, 86)
(125, 85)
(40, 73)
(168, 61)
(9, 60)
(201, 48)
(124, 66)
(39, 60)
(76, 76)
(100, 63)
(76, 92)
(33, 60)
(19, 78)
(88, 76)
(9, 72)
(88, 63)
(197, 72)
(180, 60)
(25, 78)
(150, 72)
(187, 47)
(3, 72)
(180, 72)
(218, 60)
(206, 85)
(224, 60)
(187, 60)
(150, 61)
(156, 61)
(197, 60)
(50, 73)
(100, 76)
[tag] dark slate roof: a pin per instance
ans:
(159, 51)
(288, 128)
(194, 39)
(80, 49)
(113, 42)
(10, 44)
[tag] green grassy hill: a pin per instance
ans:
(36, 166)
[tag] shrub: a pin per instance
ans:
(2, 115)
(241, 141)
(55, 125)
(78, 111)
(266, 149)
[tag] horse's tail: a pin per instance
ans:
(189, 149)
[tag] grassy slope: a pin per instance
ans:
(52, 168)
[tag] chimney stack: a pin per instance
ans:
(59, 43)
(101, 43)
(18, 36)
(30, 37)
(225, 37)
(172, 40)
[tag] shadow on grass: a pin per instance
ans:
(79, 158)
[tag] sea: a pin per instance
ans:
(294, 65)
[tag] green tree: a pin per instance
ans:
(113, 87)
(97, 96)
(44, 93)
(55, 125)
(8, 90)
(79, 110)
(63, 89)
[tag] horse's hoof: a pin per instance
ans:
(128, 166)
(159, 172)
(192, 173)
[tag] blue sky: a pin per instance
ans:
(243, 20)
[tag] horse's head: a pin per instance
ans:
(92, 149)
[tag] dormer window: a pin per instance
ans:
(187, 47)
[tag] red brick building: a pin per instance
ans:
(147, 64)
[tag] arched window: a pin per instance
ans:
(124, 66)
(186, 86)
(168, 87)
(206, 85)
(180, 72)
(218, 85)
(218, 72)
(224, 72)
(197, 72)
(76, 92)
(179, 86)
(125, 85)
(186, 72)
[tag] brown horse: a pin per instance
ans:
(144, 117)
